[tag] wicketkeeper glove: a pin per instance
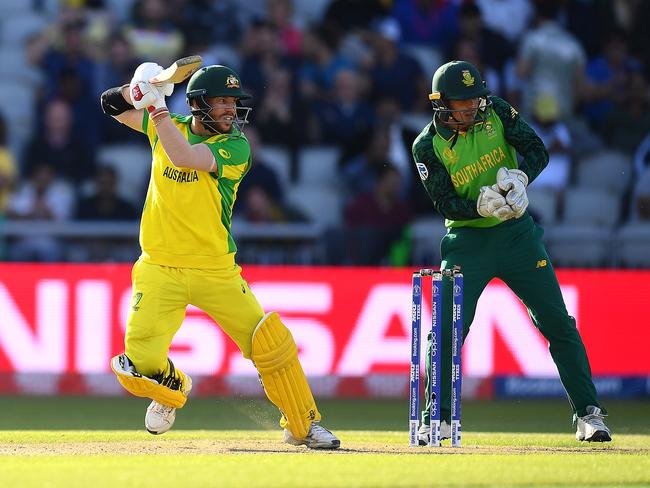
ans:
(514, 182)
(491, 203)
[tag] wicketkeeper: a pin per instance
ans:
(467, 160)
(188, 252)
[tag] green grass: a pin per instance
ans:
(99, 442)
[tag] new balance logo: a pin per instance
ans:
(541, 263)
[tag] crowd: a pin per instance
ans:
(339, 93)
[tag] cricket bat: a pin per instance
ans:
(179, 71)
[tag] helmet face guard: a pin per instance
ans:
(458, 80)
(216, 81)
(203, 109)
(444, 114)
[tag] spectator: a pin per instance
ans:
(469, 50)
(196, 19)
(375, 220)
(433, 23)
(59, 147)
(629, 122)
(359, 173)
(153, 35)
(281, 16)
(8, 169)
(42, 197)
(607, 76)
(395, 74)
(278, 115)
(321, 63)
(641, 202)
(348, 117)
(494, 49)
(510, 18)
(557, 140)
(551, 61)
(105, 203)
(262, 56)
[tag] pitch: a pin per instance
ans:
(100, 443)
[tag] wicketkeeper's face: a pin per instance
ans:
(463, 112)
(224, 111)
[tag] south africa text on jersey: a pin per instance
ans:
(181, 176)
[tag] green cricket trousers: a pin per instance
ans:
(513, 252)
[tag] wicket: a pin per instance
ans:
(435, 357)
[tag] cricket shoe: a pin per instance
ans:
(425, 430)
(591, 427)
(160, 418)
(317, 438)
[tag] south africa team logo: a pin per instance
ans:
(468, 79)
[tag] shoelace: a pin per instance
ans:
(595, 419)
(162, 409)
(317, 429)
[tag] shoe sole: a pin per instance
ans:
(333, 445)
(598, 436)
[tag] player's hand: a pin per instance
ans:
(513, 182)
(145, 94)
(491, 203)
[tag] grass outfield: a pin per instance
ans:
(97, 442)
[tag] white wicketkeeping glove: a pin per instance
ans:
(145, 94)
(491, 203)
(513, 182)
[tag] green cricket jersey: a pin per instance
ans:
(455, 165)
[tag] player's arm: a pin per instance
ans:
(437, 183)
(117, 103)
(145, 95)
(523, 138)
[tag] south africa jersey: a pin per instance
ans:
(187, 214)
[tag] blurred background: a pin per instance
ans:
(333, 210)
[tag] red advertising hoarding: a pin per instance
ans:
(347, 322)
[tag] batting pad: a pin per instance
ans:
(275, 355)
(143, 386)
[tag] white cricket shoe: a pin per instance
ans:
(591, 427)
(317, 438)
(159, 418)
(424, 430)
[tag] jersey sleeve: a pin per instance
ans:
(437, 182)
(523, 138)
(148, 128)
(232, 155)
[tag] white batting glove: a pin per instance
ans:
(491, 203)
(513, 182)
(145, 94)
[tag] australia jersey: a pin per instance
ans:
(187, 214)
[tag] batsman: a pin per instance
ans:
(188, 252)
(467, 159)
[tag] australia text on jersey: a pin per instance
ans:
(180, 176)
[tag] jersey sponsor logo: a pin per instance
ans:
(541, 263)
(468, 79)
(224, 154)
(232, 82)
(423, 170)
(450, 155)
(135, 303)
(513, 113)
(181, 176)
(483, 164)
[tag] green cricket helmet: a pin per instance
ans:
(216, 81)
(457, 80)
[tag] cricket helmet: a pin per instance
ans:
(215, 81)
(457, 80)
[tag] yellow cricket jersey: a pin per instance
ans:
(187, 214)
